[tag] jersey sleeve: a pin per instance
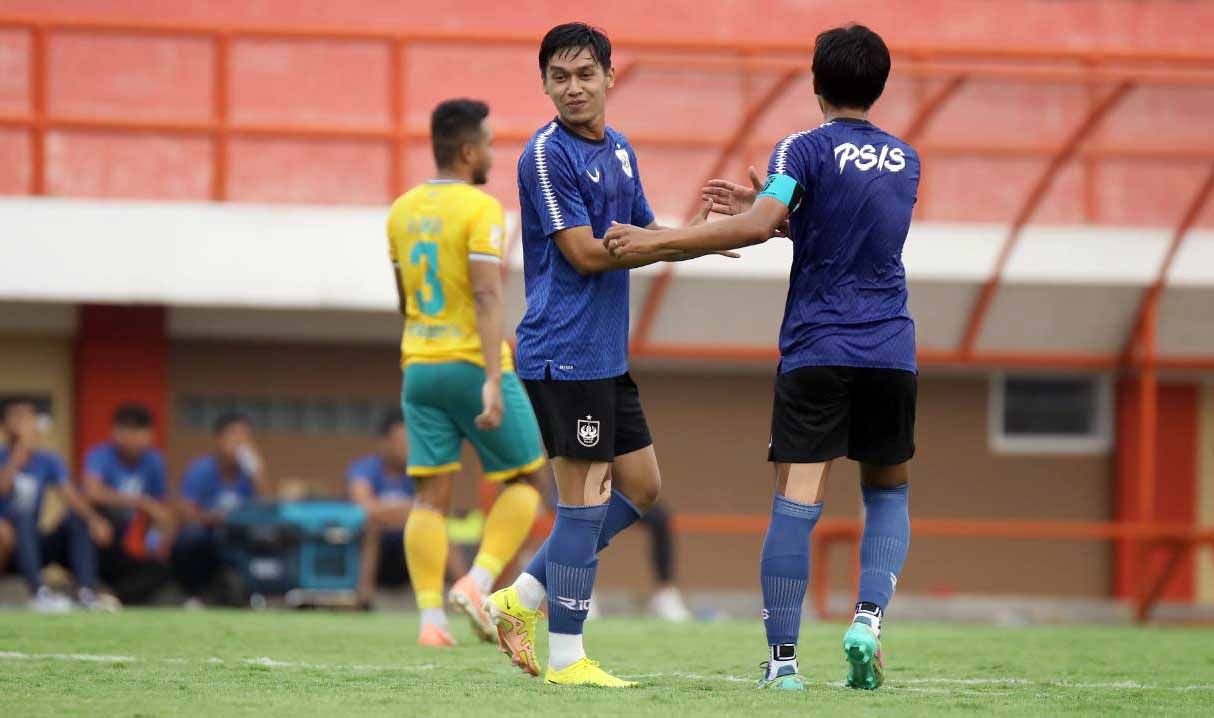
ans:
(488, 232)
(158, 485)
(388, 233)
(95, 464)
(790, 171)
(358, 473)
(57, 471)
(193, 485)
(550, 181)
(642, 214)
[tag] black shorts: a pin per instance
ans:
(593, 420)
(824, 412)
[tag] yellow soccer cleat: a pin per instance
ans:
(585, 673)
(515, 628)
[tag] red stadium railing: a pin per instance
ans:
(1124, 71)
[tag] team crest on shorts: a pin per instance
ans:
(588, 432)
(625, 162)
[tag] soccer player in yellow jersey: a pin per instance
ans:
(445, 238)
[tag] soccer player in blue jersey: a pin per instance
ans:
(576, 177)
(846, 383)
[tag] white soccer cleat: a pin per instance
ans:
(667, 605)
(47, 601)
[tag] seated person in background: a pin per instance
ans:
(27, 473)
(378, 483)
(213, 486)
(124, 479)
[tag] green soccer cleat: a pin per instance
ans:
(786, 679)
(863, 650)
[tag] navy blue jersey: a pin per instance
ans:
(206, 486)
(385, 483)
(850, 210)
(576, 327)
(42, 470)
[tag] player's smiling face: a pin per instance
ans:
(578, 85)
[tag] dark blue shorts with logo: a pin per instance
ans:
(589, 420)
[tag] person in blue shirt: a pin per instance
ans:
(846, 382)
(576, 177)
(380, 484)
(213, 486)
(27, 474)
(124, 478)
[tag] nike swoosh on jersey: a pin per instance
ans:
(594, 177)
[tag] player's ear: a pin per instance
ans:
(610, 77)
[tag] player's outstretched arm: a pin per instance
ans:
(589, 255)
(755, 226)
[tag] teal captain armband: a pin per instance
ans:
(785, 189)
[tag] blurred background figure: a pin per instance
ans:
(667, 601)
(378, 483)
(124, 479)
(213, 486)
(27, 474)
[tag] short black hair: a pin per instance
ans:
(225, 420)
(133, 416)
(390, 420)
(453, 124)
(10, 402)
(575, 36)
(851, 65)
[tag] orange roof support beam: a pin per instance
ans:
(1037, 193)
(1151, 296)
(661, 283)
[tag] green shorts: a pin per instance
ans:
(441, 403)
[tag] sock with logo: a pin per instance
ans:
(506, 528)
(784, 569)
(621, 513)
(884, 543)
(572, 562)
(426, 557)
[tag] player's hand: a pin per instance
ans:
(731, 198)
(101, 531)
(624, 239)
(701, 216)
(491, 399)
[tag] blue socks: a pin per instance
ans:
(784, 568)
(621, 513)
(884, 544)
(572, 559)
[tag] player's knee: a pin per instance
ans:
(434, 492)
(644, 496)
(876, 476)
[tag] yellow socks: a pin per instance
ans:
(506, 527)
(426, 555)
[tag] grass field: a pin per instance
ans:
(221, 663)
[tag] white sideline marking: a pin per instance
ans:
(86, 657)
(261, 661)
(915, 685)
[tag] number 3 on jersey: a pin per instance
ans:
(433, 304)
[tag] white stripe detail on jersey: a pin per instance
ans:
(782, 148)
(478, 257)
(541, 170)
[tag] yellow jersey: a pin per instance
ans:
(434, 231)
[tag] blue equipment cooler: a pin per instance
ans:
(277, 548)
(329, 551)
